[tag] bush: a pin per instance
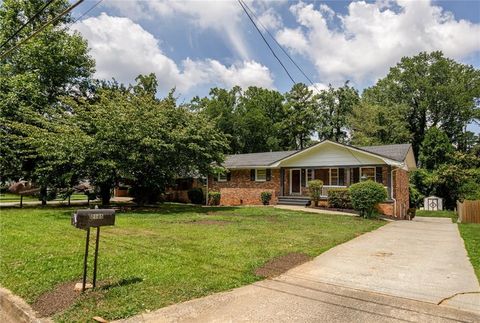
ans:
(214, 198)
(266, 197)
(339, 198)
(195, 195)
(366, 195)
(315, 190)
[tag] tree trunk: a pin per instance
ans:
(43, 195)
(105, 193)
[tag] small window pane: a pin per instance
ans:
(333, 176)
(310, 174)
(222, 177)
(367, 173)
(261, 175)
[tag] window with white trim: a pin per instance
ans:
(367, 173)
(222, 177)
(309, 175)
(261, 175)
(334, 176)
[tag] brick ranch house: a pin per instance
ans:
(286, 174)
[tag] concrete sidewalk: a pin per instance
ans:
(312, 210)
(397, 273)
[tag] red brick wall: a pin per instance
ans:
(241, 190)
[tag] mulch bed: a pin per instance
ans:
(57, 300)
(281, 264)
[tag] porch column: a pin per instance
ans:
(347, 177)
(389, 181)
(282, 181)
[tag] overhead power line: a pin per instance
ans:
(280, 46)
(38, 13)
(45, 25)
(265, 41)
(85, 13)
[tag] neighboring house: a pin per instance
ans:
(286, 174)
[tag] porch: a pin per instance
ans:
(294, 181)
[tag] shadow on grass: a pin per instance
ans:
(122, 282)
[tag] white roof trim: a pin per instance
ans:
(388, 161)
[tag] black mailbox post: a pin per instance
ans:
(92, 218)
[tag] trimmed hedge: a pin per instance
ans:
(214, 198)
(195, 195)
(315, 190)
(366, 195)
(339, 198)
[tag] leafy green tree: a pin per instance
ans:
(145, 141)
(53, 64)
(335, 109)
(435, 150)
(438, 92)
(258, 120)
(301, 118)
(220, 107)
(373, 124)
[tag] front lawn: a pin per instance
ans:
(437, 214)
(151, 259)
(471, 235)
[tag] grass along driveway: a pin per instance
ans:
(155, 258)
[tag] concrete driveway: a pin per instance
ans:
(397, 273)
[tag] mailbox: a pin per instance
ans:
(91, 218)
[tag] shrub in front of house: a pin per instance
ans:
(195, 195)
(365, 196)
(214, 198)
(315, 190)
(266, 197)
(339, 198)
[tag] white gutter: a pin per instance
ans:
(391, 189)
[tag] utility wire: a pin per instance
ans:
(266, 42)
(45, 25)
(39, 12)
(85, 13)
(280, 46)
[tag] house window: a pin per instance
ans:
(367, 173)
(310, 175)
(222, 177)
(260, 175)
(334, 176)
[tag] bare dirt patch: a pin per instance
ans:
(56, 300)
(210, 222)
(281, 264)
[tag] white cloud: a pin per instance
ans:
(374, 36)
(123, 49)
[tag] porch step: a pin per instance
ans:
(293, 200)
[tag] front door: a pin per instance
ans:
(295, 181)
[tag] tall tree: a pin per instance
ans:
(220, 107)
(335, 109)
(372, 124)
(437, 91)
(301, 117)
(258, 117)
(54, 63)
(145, 141)
(436, 149)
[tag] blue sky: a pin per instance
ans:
(195, 45)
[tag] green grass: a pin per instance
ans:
(437, 214)
(471, 235)
(160, 257)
